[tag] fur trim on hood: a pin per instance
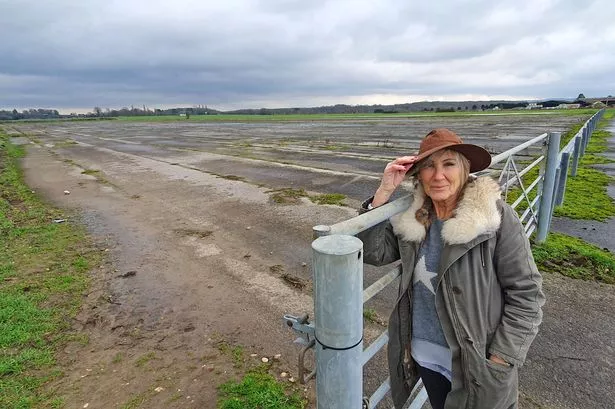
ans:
(477, 213)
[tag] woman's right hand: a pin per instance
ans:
(392, 177)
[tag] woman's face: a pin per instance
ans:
(442, 176)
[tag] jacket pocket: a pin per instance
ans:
(495, 386)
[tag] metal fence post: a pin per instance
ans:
(338, 321)
(584, 139)
(563, 178)
(575, 156)
(546, 200)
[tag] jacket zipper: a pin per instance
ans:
(482, 253)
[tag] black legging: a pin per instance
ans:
(437, 386)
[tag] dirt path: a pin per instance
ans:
(196, 253)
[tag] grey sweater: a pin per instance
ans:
(429, 347)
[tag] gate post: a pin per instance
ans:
(563, 178)
(546, 201)
(584, 139)
(576, 156)
(338, 321)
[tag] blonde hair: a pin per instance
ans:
(425, 214)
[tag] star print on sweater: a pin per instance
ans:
(421, 275)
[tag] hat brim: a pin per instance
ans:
(479, 157)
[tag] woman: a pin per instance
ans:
(470, 296)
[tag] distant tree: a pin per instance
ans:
(474, 107)
(581, 96)
(97, 111)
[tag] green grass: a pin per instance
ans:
(235, 352)
(257, 390)
(288, 195)
(586, 194)
(361, 116)
(135, 402)
(329, 198)
(586, 197)
(144, 359)
(43, 273)
(574, 258)
(370, 314)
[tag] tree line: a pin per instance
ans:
(39, 113)
(432, 106)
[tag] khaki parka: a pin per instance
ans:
(488, 295)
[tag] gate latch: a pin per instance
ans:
(305, 330)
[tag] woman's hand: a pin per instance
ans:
(496, 359)
(394, 174)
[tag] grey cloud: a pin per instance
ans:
(90, 53)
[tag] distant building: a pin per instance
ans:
(608, 101)
(569, 106)
(533, 105)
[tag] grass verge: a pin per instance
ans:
(586, 194)
(258, 390)
(43, 272)
(574, 258)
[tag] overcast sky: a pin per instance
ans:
(71, 54)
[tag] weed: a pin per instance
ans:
(257, 390)
(144, 359)
(119, 357)
(574, 258)
(287, 195)
(175, 397)
(235, 352)
(370, 314)
(66, 143)
(134, 402)
(329, 198)
(91, 172)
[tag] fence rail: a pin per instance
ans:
(337, 333)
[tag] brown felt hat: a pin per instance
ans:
(442, 138)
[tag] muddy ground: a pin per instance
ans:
(199, 255)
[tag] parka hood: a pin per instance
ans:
(476, 213)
